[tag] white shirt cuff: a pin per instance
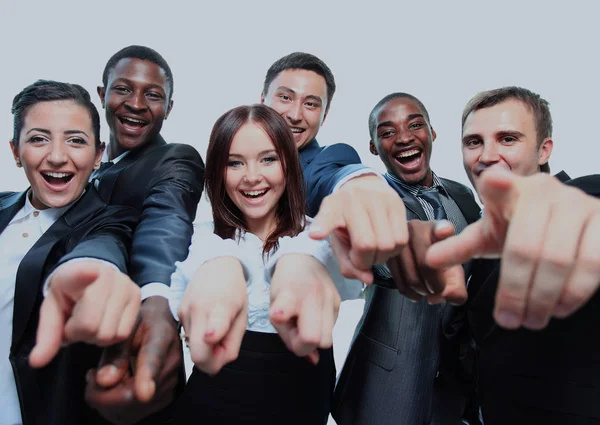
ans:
(355, 174)
(155, 289)
(46, 287)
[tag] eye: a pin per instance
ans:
(386, 134)
(312, 104)
(416, 125)
(270, 159)
(509, 139)
(77, 141)
(37, 140)
(234, 164)
(154, 96)
(285, 97)
(472, 143)
(121, 89)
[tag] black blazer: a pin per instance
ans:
(163, 182)
(391, 372)
(54, 394)
(550, 376)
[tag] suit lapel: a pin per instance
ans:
(33, 266)
(410, 202)
(9, 206)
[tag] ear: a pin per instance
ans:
(433, 134)
(169, 108)
(372, 148)
(324, 117)
(545, 151)
(262, 98)
(101, 93)
(99, 153)
(15, 152)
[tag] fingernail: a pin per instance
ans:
(508, 319)
(111, 370)
(278, 311)
(534, 322)
(209, 332)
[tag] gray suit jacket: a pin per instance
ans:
(391, 375)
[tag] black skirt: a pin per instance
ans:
(267, 384)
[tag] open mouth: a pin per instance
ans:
(409, 158)
(57, 179)
(254, 194)
(297, 130)
(133, 123)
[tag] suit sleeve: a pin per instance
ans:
(164, 231)
(106, 237)
(330, 166)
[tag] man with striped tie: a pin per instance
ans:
(393, 372)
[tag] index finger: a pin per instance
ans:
(150, 361)
(457, 249)
(328, 219)
(49, 333)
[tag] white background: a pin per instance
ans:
(442, 52)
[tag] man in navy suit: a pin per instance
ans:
(393, 372)
(546, 231)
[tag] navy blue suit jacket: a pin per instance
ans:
(324, 167)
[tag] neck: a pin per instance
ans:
(114, 148)
(262, 227)
(428, 180)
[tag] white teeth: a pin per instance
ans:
(408, 153)
(58, 175)
(133, 120)
(255, 193)
(296, 130)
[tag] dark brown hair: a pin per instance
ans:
(533, 101)
(291, 208)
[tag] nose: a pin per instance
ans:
(294, 112)
(253, 175)
(405, 136)
(57, 155)
(489, 154)
(137, 101)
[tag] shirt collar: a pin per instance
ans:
(114, 161)
(46, 217)
(415, 189)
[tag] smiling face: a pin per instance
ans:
(503, 135)
(403, 140)
(137, 102)
(57, 150)
(300, 97)
(254, 178)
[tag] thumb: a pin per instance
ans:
(284, 306)
(114, 364)
(219, 323)
(72, 279)
(328, 219)
(49, 333)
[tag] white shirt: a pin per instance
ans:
(258, 270)
(23, 231)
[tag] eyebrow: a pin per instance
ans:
(498, 134)
(48, 132)
(409, 118)
(128, 81)
(309, 96)
(268, 151)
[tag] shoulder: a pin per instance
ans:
(589, 184)
(177, 151)
(7, 195)
(340, 150)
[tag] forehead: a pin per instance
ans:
(59, 114)
(510, 115)
(301, 81)
(139, 70)
(250, 139)
(398, 109)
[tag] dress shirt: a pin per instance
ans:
(452, 210)
(23, 231)
(258, 269)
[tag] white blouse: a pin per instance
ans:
(258, 270)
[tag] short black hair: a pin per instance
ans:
(384, 101)
(306, 61)
(138, 52)
(48, 91)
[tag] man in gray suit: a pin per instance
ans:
(393, 373)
